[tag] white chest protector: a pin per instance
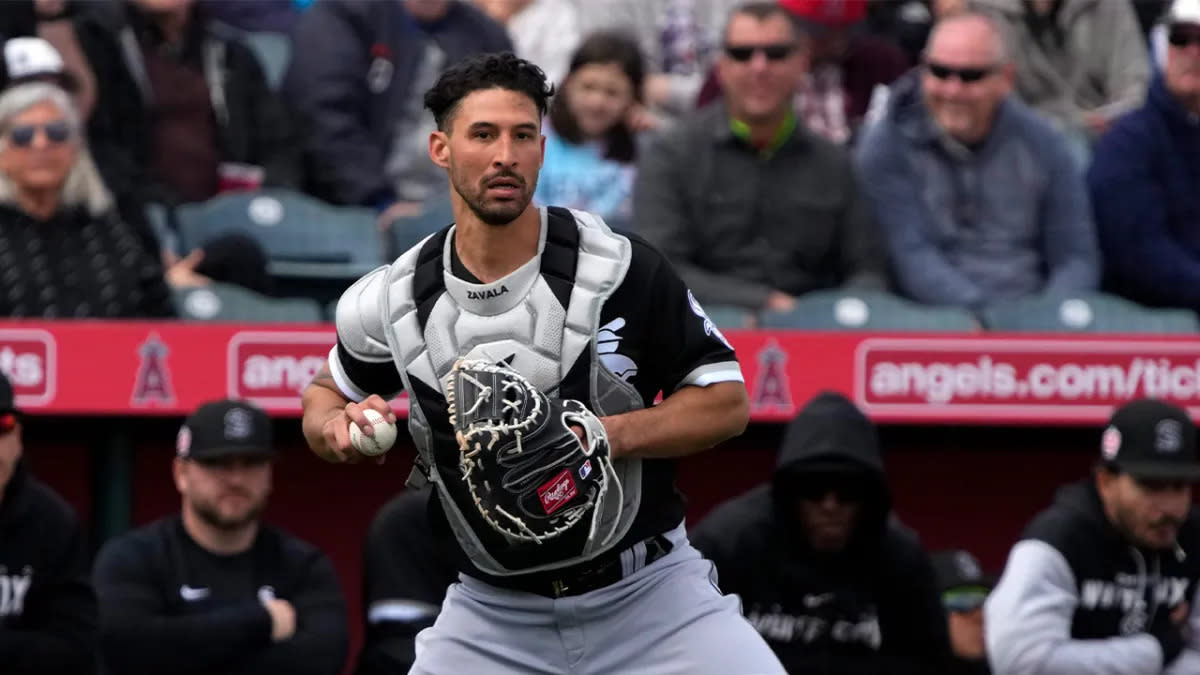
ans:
(541, 319)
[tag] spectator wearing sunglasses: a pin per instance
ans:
(64, 251)
(1143, 179)
(826, 576)
(846, 67)
(1082, 63)
(978, 196)
(964, 588)
(48, 618)
(751, 206)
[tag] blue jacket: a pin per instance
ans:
(968, 228)
(1145, 183)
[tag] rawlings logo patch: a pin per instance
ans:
(557, 491)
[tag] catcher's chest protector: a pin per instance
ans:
(541, 321)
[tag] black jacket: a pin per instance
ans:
(405, 577)
(874, 607)
(166, 607)
(351, 80)
(1077, 597)
(47, 608)
(253, 127)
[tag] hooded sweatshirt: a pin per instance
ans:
(872, 608)
(1077, 597)
(48, 622)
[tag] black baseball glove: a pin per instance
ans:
(531, 476)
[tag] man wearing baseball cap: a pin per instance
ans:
(215, 590)
(1104, 581)
(47, 607)
(964, 588)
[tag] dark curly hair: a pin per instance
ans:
(486, 71)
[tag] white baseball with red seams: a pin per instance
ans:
(377, 444)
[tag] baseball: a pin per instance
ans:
(380, 442)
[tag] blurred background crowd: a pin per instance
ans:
(276, 149)
(963, 164)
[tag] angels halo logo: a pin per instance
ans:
(557, 491)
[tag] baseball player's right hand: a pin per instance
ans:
(336, 430)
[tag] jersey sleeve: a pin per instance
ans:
(693, 350)
(361, 362)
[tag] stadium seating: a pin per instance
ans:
(304, 238)
(1091, 313)
(866, 310)
(226, 302)
(406, 232)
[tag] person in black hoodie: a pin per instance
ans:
(825, 575)
(47, 608)
(405, 577)
(1104, 582)
(214, 590)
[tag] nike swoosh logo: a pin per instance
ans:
(812, 601)
(191, 594)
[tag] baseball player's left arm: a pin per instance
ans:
(692, 419)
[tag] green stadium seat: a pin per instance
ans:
(1086, 313)
(840, 310)
(226, 302)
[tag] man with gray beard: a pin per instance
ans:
(214, 590)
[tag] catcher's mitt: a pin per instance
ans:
(529, 474)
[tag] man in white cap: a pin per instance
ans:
(1143, 184)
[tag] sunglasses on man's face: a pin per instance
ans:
(22, 135)
(775, 52)
(964, 75)
(1182, 37)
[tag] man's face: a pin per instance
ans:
(1183, 63)
(493, 151)
(10, 448)
(1149, 513)
(760, 66)
(227, 493)
(963, 81)
(828, 509)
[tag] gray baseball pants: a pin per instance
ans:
(668, 618)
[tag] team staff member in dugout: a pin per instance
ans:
(612, 326)
(214, 591)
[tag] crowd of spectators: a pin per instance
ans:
(956, 153)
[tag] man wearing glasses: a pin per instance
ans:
(47, 608)
(825, 574)
(1143, 179)
(979, 198)
(1104, 581)
(964, 589)
(748, 204)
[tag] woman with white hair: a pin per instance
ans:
(64, 251)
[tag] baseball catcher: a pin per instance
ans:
(530, 474)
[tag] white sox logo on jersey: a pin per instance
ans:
(709, 327)
(13, 588)
(608, 339)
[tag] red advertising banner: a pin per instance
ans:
(168, 368)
